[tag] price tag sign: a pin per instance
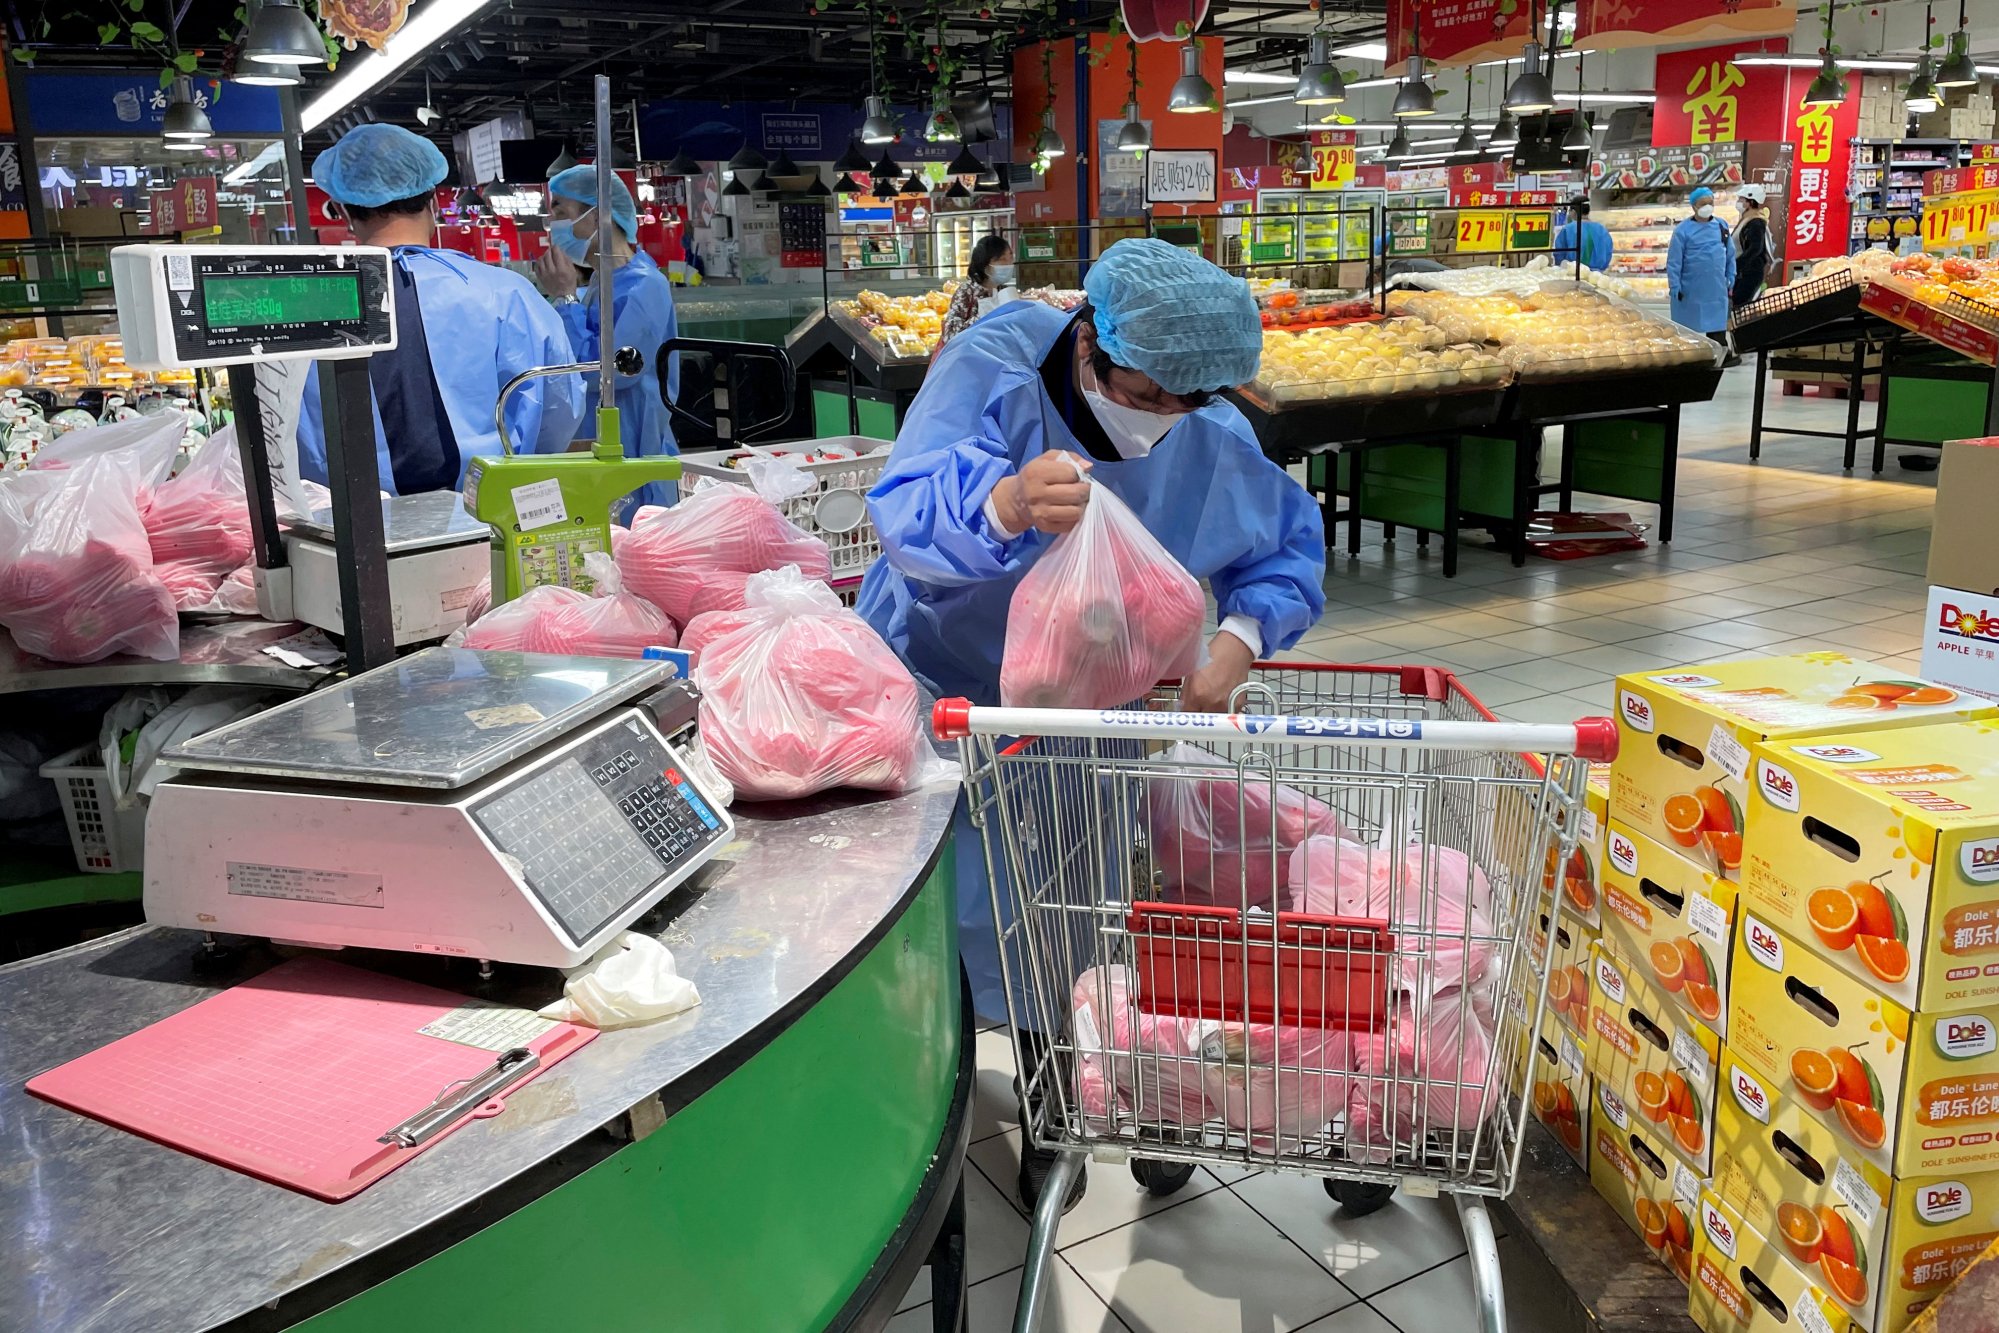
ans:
(1332, 166)
(1708, 917)
(1527, 230)
(1481, 231)
(1689, 1055)
(1852, 1187)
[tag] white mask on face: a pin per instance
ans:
(1001, 275)
(1704, 212)
(1132, 431)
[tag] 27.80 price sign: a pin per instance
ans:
(1481, 231)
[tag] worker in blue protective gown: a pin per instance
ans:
(463, 329)
(1700, 268)
(641, 315)
(983, 478)
(1581, 234)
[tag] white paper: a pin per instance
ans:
(305, 650)
(1572, 1056)
(539, 505)
(1810, 1318)
(490, 1027)
(1708, 917)
(1852, 1187)
(1087, 1036)
(1731, 754)
(1589, 826)
(280, 400)
(1686, 1185)
(1689, 1055)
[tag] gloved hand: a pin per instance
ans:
(1049, 494)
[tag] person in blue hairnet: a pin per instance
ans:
(463, 329)
(641, 313)
(984, 476)
(1700, 268)
(1581, 238)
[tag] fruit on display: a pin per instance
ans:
(1578, 878)
(1561, 330)
(1288, 308)
(1369, 360)
(907, 326)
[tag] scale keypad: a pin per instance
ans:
(665, 811)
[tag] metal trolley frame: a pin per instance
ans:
(1299, 938)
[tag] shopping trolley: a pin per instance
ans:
(1298, 936)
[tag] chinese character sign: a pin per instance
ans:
(195, 200)
(1712, 104)
(1706, 99)
(1820, 213)
(1458, 31)
(1332, 159)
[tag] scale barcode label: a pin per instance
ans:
(539, 504)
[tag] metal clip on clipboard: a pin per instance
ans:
(509, 1069)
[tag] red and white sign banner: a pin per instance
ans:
(195, 197)
(1704, 99)
(1602, 24)
(1960, 180)
(1458, 32)
(1820, 214)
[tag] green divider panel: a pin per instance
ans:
(1922, 408)
(1404, 484)
(1485, 475)
(1622, 458)
(829, 415)
(762, 1205)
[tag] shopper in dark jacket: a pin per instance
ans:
(1753, 250)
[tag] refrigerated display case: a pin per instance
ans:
(955, 234)
(1330, 225)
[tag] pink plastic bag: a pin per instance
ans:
(508, 627)
(1215, 838)
(199, 522)
(1435, 900)
(76, 571)
(1431, 1069)
(803, 696)
(709, 626)
(613, 623)
(697, 555)
(1104, 615)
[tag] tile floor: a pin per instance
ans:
(1783, 556)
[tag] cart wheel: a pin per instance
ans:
(1160, 1178)
(1358, 1198)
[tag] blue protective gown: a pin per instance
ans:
(642, 317)
(485, 325)
(940, 592)
(1700, 270)
(1596, 244)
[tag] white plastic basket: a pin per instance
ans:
(106, 839)
(836, 513)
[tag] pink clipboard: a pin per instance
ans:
(297, 1076)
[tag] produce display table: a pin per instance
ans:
(841, 361)
(1817, 313)
(786, 1155)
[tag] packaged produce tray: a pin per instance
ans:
(1899, 306)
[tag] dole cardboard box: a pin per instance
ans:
(1881, 1247)
(1561, 1092)
(1568, 973)
(1664, 915)
(1880, 852)
(1684, 737)
(1961, 640)
(1580, 879)
(1652, 1191)
(1742, 1283)
(1658, 1061)
(1916, 1095)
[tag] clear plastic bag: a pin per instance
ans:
(1215, 839)
(803, 696)
(506, 627)
(1430, 1070)
(614, 623)
(199, 522)
(1436, 901)
(1105, 614)
(76, 569)
(697, 555)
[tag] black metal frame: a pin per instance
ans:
(727, 361)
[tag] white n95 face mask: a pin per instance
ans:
(1001, 274)
(1704, 212)
(1132, 431)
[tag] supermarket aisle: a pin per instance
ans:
(1786, 556)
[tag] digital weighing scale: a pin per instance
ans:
(438, 558)
(509, 807)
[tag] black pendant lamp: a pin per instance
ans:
(854, 159)
(966, 163)
(847, 185)
(735, 188)
(748, 159)
(784, 167)
(886, 169)
(683, 166)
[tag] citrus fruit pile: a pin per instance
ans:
(1861, 916)
(1839, 1081)
(1683, 968)
(1709, 818)
(1667, 1099)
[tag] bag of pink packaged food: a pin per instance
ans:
(1102, 617)
(698, 555)
(1436, 901)
(508, 627)
(1431, 1070)
(1219, 840)
(610, 623)
(198, 522)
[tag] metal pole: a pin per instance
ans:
(607, 371)
(294, 134)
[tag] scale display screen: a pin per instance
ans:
(245, 300)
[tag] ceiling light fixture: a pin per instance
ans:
(184, 120)
(853, 159)
(281, 34)
(1532, 92)
(683, 166)
(1048, 143)
(1829, 85)
(1319, 81)
(877, 128)
(358, 78)
(1957, 70)
(1192, 93)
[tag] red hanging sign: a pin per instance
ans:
(1820, 214)
(1703, 98)
(1458, 32)
(195, 199)
(166, 213)
(1602, 24)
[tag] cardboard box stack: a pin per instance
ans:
(1687, 1018)
(1883, 114)
(1961, 625)
(1571, 906)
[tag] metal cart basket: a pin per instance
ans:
(1295, 938)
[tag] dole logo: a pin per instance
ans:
(1613, 1107)
(1965, 1037)
(1979, 859)
(1718, 1229)
(1610, 979)
(1836, 754)
(1943, 1201)
(1749, 1094)
(1623, 853)
(1779, 788)
(1764, 944)
(1684, 680)
(1636, 710)
(1966, 623)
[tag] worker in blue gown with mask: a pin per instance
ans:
(463, 329)
(984, 477)
(641, 314)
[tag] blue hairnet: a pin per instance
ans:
(1701, 196)
(1174, 316)
(580, 184)
(372, 165)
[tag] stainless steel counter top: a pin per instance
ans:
(107, 1232)
(226, 652)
